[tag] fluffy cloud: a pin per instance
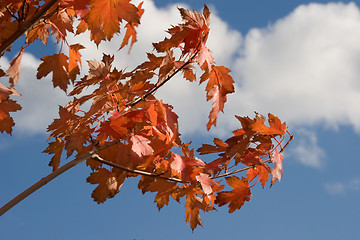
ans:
(337, 188)
(304, 67)
(306, 150)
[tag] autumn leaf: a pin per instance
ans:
(14, 70)
(58, 65)
(205, 58)
(276, 172)
(219, 85)
(187, 167)
(6, 106)
(55, 148)
(140, 146)
(106, 15)
(236, 197)
(74, 59)
(130, 29)
(206, 183)
(192, 213)
(109, 184)
(258, 125)
(164, 190)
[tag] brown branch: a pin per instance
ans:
(25, 26)
(144, 173)
(51, 176)
(246, 168)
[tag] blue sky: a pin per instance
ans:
(296, 59)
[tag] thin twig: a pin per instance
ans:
(51, 176)
(144, 173)
(246, 168)
(151, 91)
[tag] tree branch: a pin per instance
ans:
(51, 176)
(246, 168)
(144, 173)
(25, 26)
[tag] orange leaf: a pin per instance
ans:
(237, 197)
(263, 174)
(106, 15)
(109, 184)
(55, 148)
(130, 29)
(219, 85)
(74, 59)
(6, 106)
(57, 64)
(164, 189)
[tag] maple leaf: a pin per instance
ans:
(192, 213)
(276, 172)
(219, 85)
(58, 65)
(6, 106)
(205, 57)
(236, 197)
(14, 70)
(55, 148)
(130, 29)
(206, 183)
(163, 188)
(257, 125)
(74, 59)
(106, 14)
(140, 146)
(40, 30)
(186, 166)
(109, 184)
(261, 171)
(61, 22)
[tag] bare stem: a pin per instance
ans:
(246, 168)
(160, 84)
(144, 173)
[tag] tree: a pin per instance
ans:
(119, 128)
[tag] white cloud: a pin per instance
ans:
(304, 67)
(338, 188)
(306, 149)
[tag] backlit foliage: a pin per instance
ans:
(124, 110)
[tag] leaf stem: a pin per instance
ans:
(144, 173)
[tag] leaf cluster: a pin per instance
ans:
(115, 116)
